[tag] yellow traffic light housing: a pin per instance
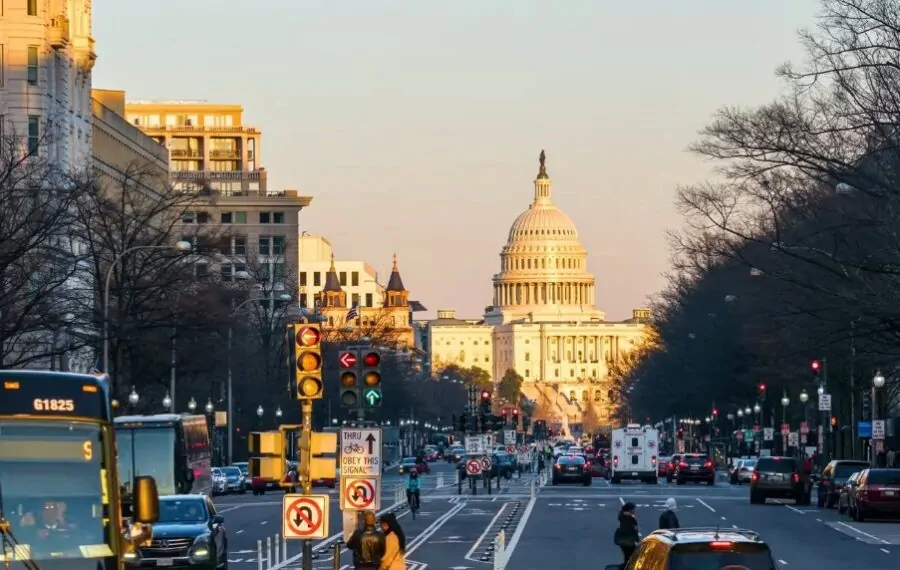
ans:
(308, 361)
(349, 389)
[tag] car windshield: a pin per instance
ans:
(695, 459)
(52, 488)
(147, 451)
(740, 557)
(748, 463)
(776, 465)
(845, 470)
(232, 472)
(409, 461)
(575, 460)
(182, 511)
(215, 471)
(243, 467)
(884, 477)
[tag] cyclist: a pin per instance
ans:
(412, 488)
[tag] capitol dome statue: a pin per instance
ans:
(543, 266)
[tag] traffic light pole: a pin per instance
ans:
(305, 470)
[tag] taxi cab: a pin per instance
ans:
(693, 548)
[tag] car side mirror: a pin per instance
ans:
(145, 507)
(218, 519)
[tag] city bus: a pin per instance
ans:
(59, 491)
(174, 449)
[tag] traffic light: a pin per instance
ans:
(504, 415)
(762, 390)
(348, 361)
(816, 367)
(680, 433)
(464, 423)
(715, 413)
(834, 421)
(485, 401)
(308, 360)
(515, 417)
(371, 379)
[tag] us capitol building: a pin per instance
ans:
(543, 322)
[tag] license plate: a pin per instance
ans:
(890, 493)
(165, 562)
(695, 467)
(634, 473)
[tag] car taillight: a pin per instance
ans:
(683, 465)
(587, 466)
(795, 478)
(616, 460)
(709, 464)
(754, 476)
(721, 544)
(653, 460)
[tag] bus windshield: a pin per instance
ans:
(147, 451)
(53, 489)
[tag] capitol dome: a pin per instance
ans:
(543, 266)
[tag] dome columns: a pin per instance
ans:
(531, 293)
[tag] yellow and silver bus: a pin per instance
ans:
(59, 485)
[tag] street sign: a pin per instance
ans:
(825, 403)
(485, 463)
(475, 445)
(793, 439)
(360, 452)
(785, 429)
(360, 493)
(510, 449)
(488, 440)
(473, 467)
(509, 437)
(878, 429)
(768, 434)
(347, 360)
(304, 516)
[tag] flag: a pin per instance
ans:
(353, 313)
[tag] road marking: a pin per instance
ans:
(520, 528)
(487, 529)
(873, 537)
(239, 532)
(621, 500)
(795, 509)
(702, 502)
(433, 528)
(782, 562)
(885, 550)
(723, 518)
(220, 511)
(264, 522)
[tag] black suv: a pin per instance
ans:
(695, 467)
(833, 479)
(692, 548)
(779, 477)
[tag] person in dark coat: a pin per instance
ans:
(367, 544)
(627, 535)
(668, 518)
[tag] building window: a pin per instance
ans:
(303, 300)
(240, 217)
(277, 217)
(317, 279)
(239, 245)
(32, 65)
(527, 356)
(303, 279)
(342, 277)
(202, 217)
(227, 217)
(354, 278)
(34, 134)
(368, 299)
(264, 242)
(271, 217)
(355, 300)
(278, 271)
(278, 245)
(227, 271)
(201, 270)
(32, 8)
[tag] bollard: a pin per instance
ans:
(259, 555)
(533, 489)
(336, 561)
(268, 552)
(284, 544)
(500, 551)
(439, 482)
(277, 549)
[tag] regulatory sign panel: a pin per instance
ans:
(304, 516)
(825, 403)
(360, 493)
(485, 463)
(360, 452)
(488, 441)
(473, 467)
(510, 449)
(474, 445)
(509, 437)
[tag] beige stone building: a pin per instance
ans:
(46, 61)
(542, 322)
(212, 153)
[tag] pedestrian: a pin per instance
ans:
(627, 535)
(367, 544)
(540, 464)
(668, 518)
(394, 544)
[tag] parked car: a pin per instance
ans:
(877, 494)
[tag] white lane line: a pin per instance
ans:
(702, 502)
(264, 522)
(239, 532)
(486, 530)
(220, 511)
(885, 550)
(520, 528)
(621, 500)
(795, 509)
(782, 562)
(854, 529)
(723, 518)
(433, 528)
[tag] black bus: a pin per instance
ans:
(172, 448)
(59, 490)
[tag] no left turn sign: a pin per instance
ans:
(473, 467)
(304, 516)
(359, 493)
(485, 463)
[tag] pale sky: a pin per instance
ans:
(416, 125)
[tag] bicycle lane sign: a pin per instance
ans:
(360, 452)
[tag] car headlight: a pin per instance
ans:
(200, 549)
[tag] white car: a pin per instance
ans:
(219, 482)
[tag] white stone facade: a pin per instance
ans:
(46, 58)
(358, 279)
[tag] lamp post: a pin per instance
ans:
(210, 408)
(785, 402)
(804, 398)
(182, 246)
(192, 405)
(878, 382)
(229, 404)
(133, 397)
(278, 412)
(167, 401)
(259, 413)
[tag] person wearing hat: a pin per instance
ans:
(367, 544)
(627, 534)
(668, 519)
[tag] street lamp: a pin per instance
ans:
(747, 411)
(740, 413)
(133, 397)
(229, 404)
(259, 412)
(209, 407)
(192, 405)
(878, 381)
(785, 401)
(278, 412)
(756, 408)
(182, 246)
(804, 397)
(820, 390)
(167, 401)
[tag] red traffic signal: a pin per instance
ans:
(762, 387)
(515, 412)
(485, 395)
(815, 365)
(715, 412)
(371, 359)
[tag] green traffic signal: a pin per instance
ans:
(372, 397)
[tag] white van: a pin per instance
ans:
(634, 454)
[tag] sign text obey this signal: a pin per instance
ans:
(360, 452)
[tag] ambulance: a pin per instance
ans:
(634, 454)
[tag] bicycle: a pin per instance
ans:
(412, 501)
(353, 448)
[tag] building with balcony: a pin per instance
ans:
(46, 62)
(208, 144)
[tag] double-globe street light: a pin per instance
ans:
(181, 246)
